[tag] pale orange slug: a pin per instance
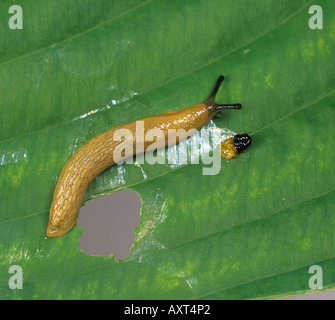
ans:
(96, 155)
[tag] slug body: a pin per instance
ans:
(96, 155)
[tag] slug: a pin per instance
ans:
(96, 155)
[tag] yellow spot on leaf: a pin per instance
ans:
(306, 244)
(268, 81)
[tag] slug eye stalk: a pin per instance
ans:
(216, 107)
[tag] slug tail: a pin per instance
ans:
(54, 231)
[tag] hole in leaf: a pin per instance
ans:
(109, 223)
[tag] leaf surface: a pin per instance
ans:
(251, 231)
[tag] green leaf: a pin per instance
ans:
(250, 232)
